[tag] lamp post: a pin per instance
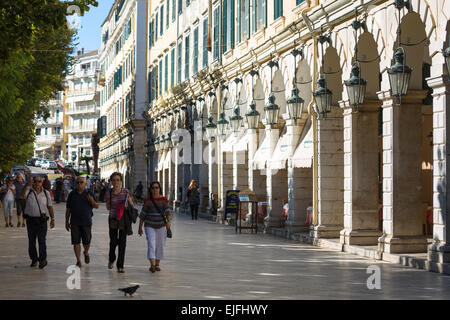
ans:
(253, 115)
(210, 128)
(356, 87)
(271, 110)
(446, 54)
(222, 124)
(295, 103)
(399, 73)
(322, 96)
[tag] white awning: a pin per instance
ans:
(227, 145)
(242, 143)
(84, 97)
(262, 154)
(167, 159)
(303, 154)
(281, 153)
(42, 148)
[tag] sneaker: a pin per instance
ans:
(42, 264)
(33, 264)
(110, 265)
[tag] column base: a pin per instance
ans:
(295, 227)
(318, 232)
(360, 237)
(274, 222)
(391, 244)
(439, 253)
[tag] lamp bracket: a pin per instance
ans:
(322, 39)
(254, 72)
(400, 4)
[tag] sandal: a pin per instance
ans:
(157, 268)
(87, 259)
(152, 269)
(11, 225)
(78, 264)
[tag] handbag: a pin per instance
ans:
(169, 232)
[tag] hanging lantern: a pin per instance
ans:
(210, 128)
(236, 120)
(447, 59)
(169, 144)
(271, 110)
(253, 117)
(157, 144)
(356, 87)
(399, 74)
(322, 96)
(295, 105)
(222, 125)
(162, 142)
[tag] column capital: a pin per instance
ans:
(439, 81)
(413, 97)
(369, 105)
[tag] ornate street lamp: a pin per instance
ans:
(446, 54)
(322, 96)
(253, 115)
(222, 125)
(236, 119)
(210, 128)
(162, 143)
(356, 87)
(157, 144)
(399, 73)
(169, 144)
(295, 103)
(271, 109)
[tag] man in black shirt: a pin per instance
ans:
(79, 210)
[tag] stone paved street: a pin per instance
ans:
(205, 261)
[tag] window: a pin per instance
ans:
(38, 131)
(150, 36)
(156, 26)
(180, 45)
(161, 29)
(258, 15)
(167, 14)
(228, 25)
(57, 115)
(166, 78)
(172, 67)
(205, 42)
(278, 9)
(180, 7)
(46, 130)
(174, 7)
(297, 2)
(216, 34)
(195, 62)
(243, 21)
(186, 57)
(160, 77)
(188, 2)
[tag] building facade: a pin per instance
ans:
(373, 171)
(82, 107)
(122, 91)
(49, 142)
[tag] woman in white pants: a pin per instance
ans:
(155, 216)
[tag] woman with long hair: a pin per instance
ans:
(155, 216)
(116, 200)
(193, 198)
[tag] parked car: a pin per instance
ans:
(31, 162)
(39, 162)
(49, 165)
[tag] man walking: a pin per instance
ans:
(38, 207)
(79, 218)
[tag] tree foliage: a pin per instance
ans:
(35, 56)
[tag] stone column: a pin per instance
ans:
(402, 181)
(299, 182)
(330, 147)
(252, 147)
(274, 215)
(361, 174)
(439, 250)
(175, 156)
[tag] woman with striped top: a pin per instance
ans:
(155, 228)
(115, 202)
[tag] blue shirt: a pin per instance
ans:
(80, 208)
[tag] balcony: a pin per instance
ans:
(50, 138)
(83, 110)
(82, 129)
(50, 122)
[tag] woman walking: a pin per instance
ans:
(8, 200)
(193, 197)
(116, 200)
(156, 216)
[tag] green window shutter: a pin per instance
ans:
(174, 10)
(254, 17)
(166, 79)
(232, 18)
(224, 26)
(186, 58)
(238, 21)
(278, 12)
(161, 29)
(160, 77)
(264, 13)
(180, 46)
(172, 68)
(195, 67)
(216, 34)
(167, 14)
(156, 26)
(247, 19)
(205, 43)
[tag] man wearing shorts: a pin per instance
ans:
(79, 218)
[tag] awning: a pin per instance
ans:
(303, 154)
(281, 153)
(242, 143)
(227, 145)
(42, 148)
(167, 159)
(84, 97)
(262, 154)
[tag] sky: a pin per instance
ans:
(89, 34)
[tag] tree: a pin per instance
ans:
(35, 56)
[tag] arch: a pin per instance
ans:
(304, 81)
(279, 90)
(370, 65)
(333, 73)
(259, 96)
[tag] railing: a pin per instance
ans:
(80, 129)
(73, 93)
(84, 142)
(85, 109)
(49, 137)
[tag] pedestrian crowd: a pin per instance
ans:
(34, 207)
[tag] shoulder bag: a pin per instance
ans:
(169, 232)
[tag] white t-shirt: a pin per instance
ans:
(9, 195)
(32, 208)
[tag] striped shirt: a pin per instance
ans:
(150, 214)
(116, 199)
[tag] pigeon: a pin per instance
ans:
(129, 290)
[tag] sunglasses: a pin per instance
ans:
(155, 188)
(80, 182)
